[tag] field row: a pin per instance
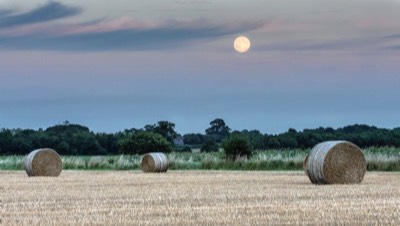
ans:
(195, 198)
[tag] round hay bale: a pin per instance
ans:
(155, 162)
(43, 162)
(336, 162)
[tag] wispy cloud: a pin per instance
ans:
(392, 36)
(360, 34)
(394, 42)
(192, 2)
(345, 44)
(168, 35)
(18, 31)
(48, 12)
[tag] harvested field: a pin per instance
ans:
(195, 198)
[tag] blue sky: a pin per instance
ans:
(123, 64)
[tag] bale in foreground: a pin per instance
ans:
(43, 162)
(336, 162)
(156, 162)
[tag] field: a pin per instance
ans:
(196, 198)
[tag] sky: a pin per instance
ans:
(115, 65)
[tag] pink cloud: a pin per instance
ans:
(118, 24)
(376, 23)
(122, 23)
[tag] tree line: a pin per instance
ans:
(75, 139)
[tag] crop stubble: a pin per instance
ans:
(195, 198)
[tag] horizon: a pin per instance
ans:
(116, 65)
(68, 123)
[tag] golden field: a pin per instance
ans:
(195, 198)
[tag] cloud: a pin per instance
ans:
(393, 40)
(333, 45)
(103, 35)
(48, 12)
(356, 42)
(392, 36)
(4, 13)
(192, 2)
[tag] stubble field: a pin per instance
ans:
(195, 198)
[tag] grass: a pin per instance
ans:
(11, 162)
(378, 159)
(196, 198)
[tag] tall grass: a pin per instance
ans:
(11, 162)
(113, 162)
(383, 159)
(378, 159)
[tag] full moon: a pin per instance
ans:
(241, 44)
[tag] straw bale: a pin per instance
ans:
(336, 162)
(43, 162)
(155, 162)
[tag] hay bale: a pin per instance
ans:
(336, 162)
(155, 162)
(43, 162)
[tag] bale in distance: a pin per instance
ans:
(43, 162)
(155, 162)
(336, 162)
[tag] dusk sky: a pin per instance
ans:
(114, 65)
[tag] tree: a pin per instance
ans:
(108, 142)
(236, 147)
(256, 139)
(143, 142)
(87, 144)
(21, 145)
(193, 138)
(218, 130)
(6, 137)
(209, 146)
(164, 128)
(67, 128)
(288, 141)
(72, 139)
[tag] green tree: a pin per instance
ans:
(6, 137)
(74, 139)
(209, 145)
(288, 141)
(256, 139)
(271, 142)
(21, 142)
(236, 147)
(143, 142)
(86, 144)
(108, 142)
(164, 128)
(193, 138)
(218, 130)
